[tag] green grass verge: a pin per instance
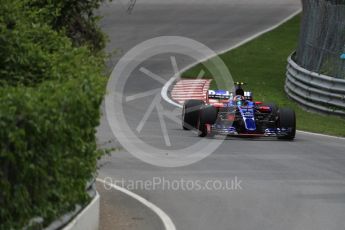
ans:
(262, 64)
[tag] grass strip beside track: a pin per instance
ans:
(262, 64)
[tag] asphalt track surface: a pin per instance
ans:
(284, 185)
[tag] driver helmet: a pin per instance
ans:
(239, 100)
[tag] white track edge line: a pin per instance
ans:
(167, 222)
(164, 92)
(320, 134)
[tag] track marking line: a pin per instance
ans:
(164, 92)
(320, 134)
(167, 222)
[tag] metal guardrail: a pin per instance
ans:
(315, 91)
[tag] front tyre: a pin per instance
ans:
(287, 121)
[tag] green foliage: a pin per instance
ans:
(50, 92)
(75, 17)
(48, 149)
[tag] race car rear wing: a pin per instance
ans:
(224, 94)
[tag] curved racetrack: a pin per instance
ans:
(285, 185)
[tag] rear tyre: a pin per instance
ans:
(208, 115)
(190, 113)
(287, 120)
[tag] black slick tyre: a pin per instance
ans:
(287, 120)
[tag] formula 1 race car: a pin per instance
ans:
(235, 113)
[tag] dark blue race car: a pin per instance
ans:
(235, 113)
